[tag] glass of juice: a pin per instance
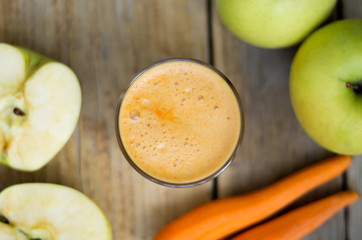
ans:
(180, 122)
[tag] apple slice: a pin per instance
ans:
(50, 212)
(40, 103)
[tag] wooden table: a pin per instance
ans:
(106, 43)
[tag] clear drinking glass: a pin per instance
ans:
(189, 184)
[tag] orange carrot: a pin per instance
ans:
(222, 217)
(302, 221)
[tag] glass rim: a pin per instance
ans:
(186, 184)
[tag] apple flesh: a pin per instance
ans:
(273, 24)
(50, 212)
(9, 233)
(39, 107)
(326, 86)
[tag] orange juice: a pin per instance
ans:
(180, 121)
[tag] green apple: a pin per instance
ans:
(273, 24)
(50, 212)
(40, 103)
(326, 86)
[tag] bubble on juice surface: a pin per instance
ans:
(146, 103)
(134, 115)
(161, 146)
(201, 98)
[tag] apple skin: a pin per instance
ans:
(273, 24)
(33, 60)
(330, 112)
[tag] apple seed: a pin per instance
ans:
(4, 219)
(18, 112)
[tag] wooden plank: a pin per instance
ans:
(106, 44)
(353, 9)
(39, 25)
(109, 44)
(274, 143)
(354, 212)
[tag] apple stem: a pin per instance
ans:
(18, 112)
(356, 87)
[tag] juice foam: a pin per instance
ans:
(179, 121)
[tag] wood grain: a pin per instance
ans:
(126, 36)
(106, 43)
(41, 27)
(353, 9)
(274, 143)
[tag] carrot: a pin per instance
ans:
(302, 221)
(222, 217)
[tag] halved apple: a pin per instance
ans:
(50, 212)
(40, 103)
